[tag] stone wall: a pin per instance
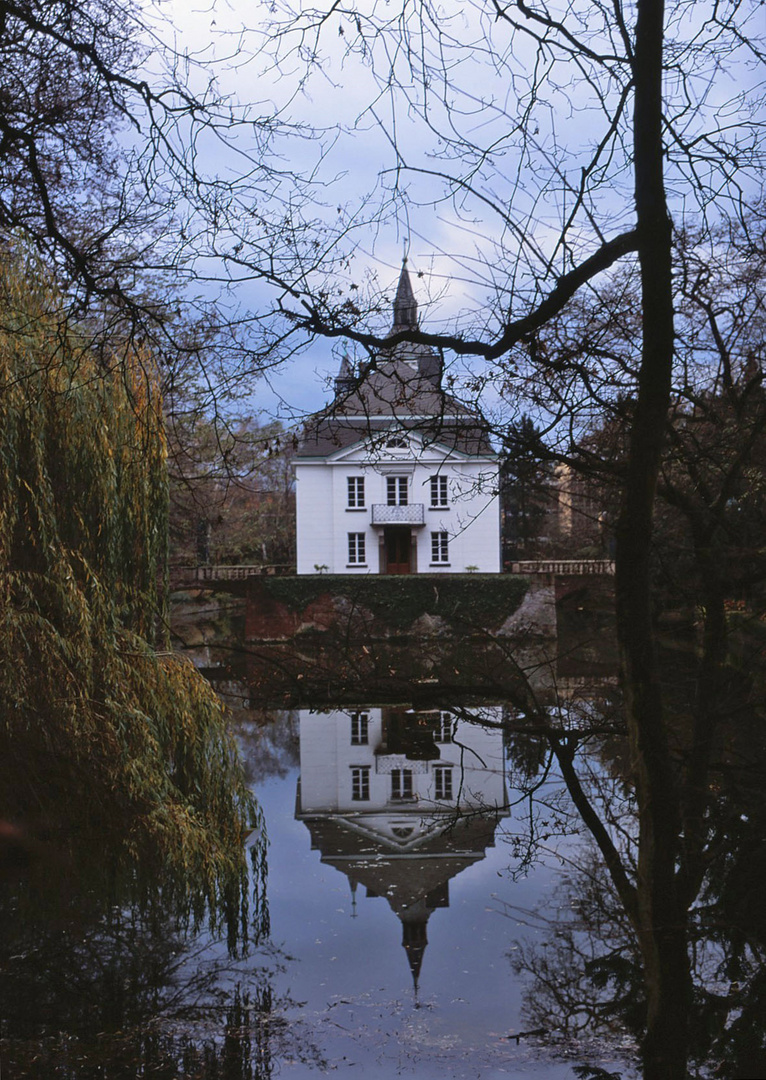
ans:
(382, 607)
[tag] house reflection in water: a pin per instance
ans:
(401, 802)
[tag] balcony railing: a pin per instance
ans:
(385, 763)
(412, 514)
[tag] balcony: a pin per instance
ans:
(386, 763)
(412, 514)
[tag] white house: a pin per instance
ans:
(397, 476)
(401, 802)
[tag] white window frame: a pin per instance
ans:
(439, 491)
(397, 490)
(360, 783)
(401, 785)
(357, 549)
(443, 790)
(360, 729)
(445, 728)
(439, 548)
(355, 493)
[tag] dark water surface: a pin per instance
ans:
(436, 907)
(402, 915)
(394, 919)
(431, 892)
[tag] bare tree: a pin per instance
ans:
(562, 139)
(119, 155)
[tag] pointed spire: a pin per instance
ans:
(345, 379)
(414, 940)
(405, 304)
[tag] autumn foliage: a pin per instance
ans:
(107, 742)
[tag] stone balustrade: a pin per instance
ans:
(564, 567)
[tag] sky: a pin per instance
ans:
(488, 244)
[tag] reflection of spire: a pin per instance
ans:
(405, 304)
(398, 847)
(414, 938)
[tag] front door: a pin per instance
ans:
(398, 543)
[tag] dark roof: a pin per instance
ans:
(392, 396)
(400, 389)
(326, 437)
(406, 877)
(413, 886)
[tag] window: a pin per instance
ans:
(396, 443)
(360, 784)
(439, 547)
(359, 728)
(401, 784)
(355, 492)
(439, 493)
(396, 490)
(444, 728)
(443, 783)
(356, 552)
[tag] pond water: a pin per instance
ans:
(435, 907)
(402, 877)
(401, 881)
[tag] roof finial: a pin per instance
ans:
(405, 304)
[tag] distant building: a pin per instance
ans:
(553, 512)
(397, 476)
(401, 802)
(581, 515)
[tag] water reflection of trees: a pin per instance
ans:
(113, 970)
(567, 725)
(91, 988)
(586, 976)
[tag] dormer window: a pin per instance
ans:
(396, 442)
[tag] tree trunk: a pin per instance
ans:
(661, 919)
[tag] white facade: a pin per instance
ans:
(357, 764)
(447, 501)
(402, 801)
(397, 476)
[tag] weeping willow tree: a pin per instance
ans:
(107, 741)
